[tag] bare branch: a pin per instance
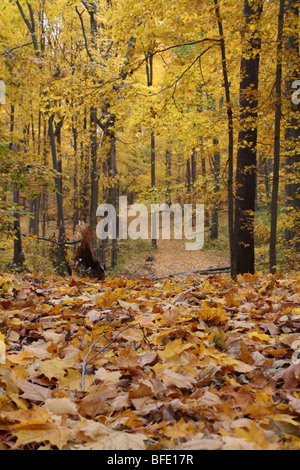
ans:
(30, 25)
(86, 360)
(84, 35)
(159, 51)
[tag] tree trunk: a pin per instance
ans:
(59, 197)
(84, 179)
(44, 193)
(18, 258)
(215, 211)
(149, 72)
(75, 177)
(206, 212)
(292, 129)
(274, 203)
(247, 142)
(188, 177)
(168, 176)
(94, 169)
(61, 263)
(113, 199)
(194, 168)
(230, 189)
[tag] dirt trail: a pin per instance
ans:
(171, 257)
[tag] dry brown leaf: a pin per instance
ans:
(116, 441)
(174, 379)
(60, 406)
(33, 392)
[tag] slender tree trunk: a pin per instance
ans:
(188, 177)
(194, 167)
(168, 176)
(113, 199)
(57, 134)
(44, 193)
(230, 188)
(247, 142)
(276, 165)
(265, 164)
(206, 212)
(75, 177)
(84, 178)
(18, 256)
(149, 72)
(37, 215)
(215, 211)
(61, 263)
(153, 183)
(59, 196)
(94, 169)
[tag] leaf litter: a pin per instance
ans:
(198, 363)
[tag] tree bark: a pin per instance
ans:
(58, 187)
(94, 169)
(149, 72)
(275, 187)
(247, 141)
(168, 162)
(230, 188)
(18, 255)
(113, 199)
(292, 129)
(215, 211)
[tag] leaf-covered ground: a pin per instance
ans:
(201, 363)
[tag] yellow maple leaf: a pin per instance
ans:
(212, 315)
(53, 368)
(57, 436)
(260, 336)
(174, 348)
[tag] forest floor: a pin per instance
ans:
(149, 359)
(201, 363)
(171, 258)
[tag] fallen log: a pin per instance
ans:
(201, 272)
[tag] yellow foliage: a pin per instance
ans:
(213, 315)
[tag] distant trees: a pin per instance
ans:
(81, 110)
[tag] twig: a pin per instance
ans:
(84, 34)
(159, 51)
(53, 241)
(86, 360)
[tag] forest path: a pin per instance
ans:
(171, 257)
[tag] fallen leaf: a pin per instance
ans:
(290, 376)
(57, 436)
(60, 406)
(33, 392)
(116, 441)
(175, 379)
